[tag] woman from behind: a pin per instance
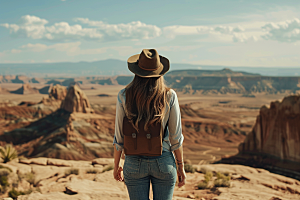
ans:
(147, 103)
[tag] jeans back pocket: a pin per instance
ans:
(166, 164)
(132, 165)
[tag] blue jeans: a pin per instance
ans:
(160, 170)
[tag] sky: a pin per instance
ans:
(204, 32)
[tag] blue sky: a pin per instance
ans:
(205, 32)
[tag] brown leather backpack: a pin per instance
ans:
(145, 143)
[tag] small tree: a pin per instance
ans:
(8, 153)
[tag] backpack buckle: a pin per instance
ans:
(133, 135)
(148, 136)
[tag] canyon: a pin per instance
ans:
(226, 118)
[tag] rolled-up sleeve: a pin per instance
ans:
(120, 113)
(174, 126)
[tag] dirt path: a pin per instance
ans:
(213, 158)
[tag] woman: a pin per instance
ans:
(147, 98)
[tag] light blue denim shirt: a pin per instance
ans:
(172, 138)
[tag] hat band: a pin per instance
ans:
(147, 69)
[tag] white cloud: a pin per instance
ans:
(221, 32)
(177, 48)
(287, 31)
(16, 51)
(35, 28)
(35, 47)
(228, 29)
(240, 37)
(132, 30)
(71, 48)
(173, 31)
(28, 26)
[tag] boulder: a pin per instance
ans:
(58, 162)
(39, 161)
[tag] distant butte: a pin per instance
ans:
(191, 81)
(26, 89)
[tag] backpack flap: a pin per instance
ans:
(147, 143)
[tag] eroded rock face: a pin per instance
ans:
(76, 101)
(58, 92)
(277, 131)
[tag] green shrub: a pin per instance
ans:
(3, 167)
(219, 175)
(92, 171)
(8, 153)
(3, 183)
(4, 172)
(208, 175)
(202, 185)
(14, 193)
(221, 183)
(108, 168)
(189, 168)
(29, 177)
(72, 171)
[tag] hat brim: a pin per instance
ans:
(134, 67)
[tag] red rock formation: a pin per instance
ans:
(26, 89)
(58, 92)
(277, 131)
(76, 101)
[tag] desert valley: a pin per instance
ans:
(241, 125)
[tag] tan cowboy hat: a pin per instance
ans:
(148, 64)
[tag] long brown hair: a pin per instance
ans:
(146, 98)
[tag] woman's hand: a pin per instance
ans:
(181, 175)
(117, 174)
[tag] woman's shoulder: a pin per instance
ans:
(121, 95)
(172, 96)
(172, 92)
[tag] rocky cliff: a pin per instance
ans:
(76, 101)
(234, 84)
(277, 131)
(72, 132)
(274, 141)
(58, 92)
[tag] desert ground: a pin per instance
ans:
(213, 126)
(226, 110)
